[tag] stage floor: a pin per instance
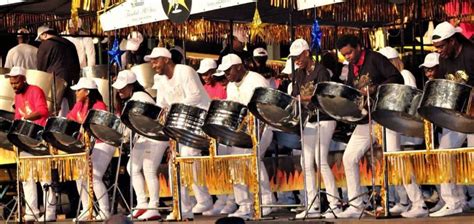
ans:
(283, 217)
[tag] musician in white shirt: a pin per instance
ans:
(23, 54)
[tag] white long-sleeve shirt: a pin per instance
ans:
(242, 92)
(408, 78)
(23, 55)
(85, 49)
(184, 87)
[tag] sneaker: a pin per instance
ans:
(297, 209)
(137, 213)
(312, 213)
(184, 216)
(229, 208)
(416, 212)
(102, 216)
(438, 206)
(49, 218)
(83, 216)
(30, 217)
(150, 215)
(212, 212)
(399, 208)
(266, 211)
(332, 213)
(351, 212)
(447, 210)
(200, 208)
(243, 213)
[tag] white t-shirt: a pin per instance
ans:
(242, 92)
(408, 78)
(184, 87)
(85, 49)
(23, 55)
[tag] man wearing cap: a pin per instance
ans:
(431, 66)
(134, 48)
(30, 104)
(237, 47)
(177, 83)
(84, 45)
(58, 56)
(305, 79)
(207, 69)
(367, 70)
(260, 57)
(23, 54)
(242, 84)
(456, 62)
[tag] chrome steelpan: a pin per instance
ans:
(184, 124)
(26, 135)
(447, 104)
(63, 134)
(6, 119)
(226, 122)
(341, 102)
(44, 80)
(145, 74)
(7, 95)
(276, 108)
(144, 118)
(396, 109)
(104, 126)
(100, 76)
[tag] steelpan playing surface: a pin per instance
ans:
(106, 134)
(147, 126)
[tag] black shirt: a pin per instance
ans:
(463, 62)
(305, 83)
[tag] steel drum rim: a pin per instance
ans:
(424, 112)
(337, 84)
(448, 81)
(400, 85)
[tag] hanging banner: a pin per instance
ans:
(137, 12)
(308, 4)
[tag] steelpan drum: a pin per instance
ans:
(446, 104)
(26, 135)
(44, 80)
(276, 108)
(225, 121)
(145, 75)
(6, 119)
(7, 95)
(100, 76)
(341, 102)
(184, 124)
(144, 118)
(396, 109)
(63, 134)
(104, 126)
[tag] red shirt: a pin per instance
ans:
(33, 99)
(216, 92)
(359, 63)
(80, 110)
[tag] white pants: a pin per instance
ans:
(200, 192)
(311, 157)
(101, 156)
(412, 190)
(31, 195)
(241, 191)
(147, 155)
(451, 193)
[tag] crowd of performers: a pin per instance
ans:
(234, 77)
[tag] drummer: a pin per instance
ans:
(367, 70)
(306, 77)
(177, 83)
(242, 84)
(431, 66)
(147, 153)
(30, 104)
(456, 55)
(394, 140)
(207, 69)
(87, 98)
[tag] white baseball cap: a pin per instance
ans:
(205, 65)
(17, 71)
(229, 60)
(85, 83)
(158, 52)
(431, 60)
(41, 30)
(134, 40)
(297, 47)
(218, 74)
(389, 52)
(287, 69)
(124, 78)
(444, 31)
(260, 52)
